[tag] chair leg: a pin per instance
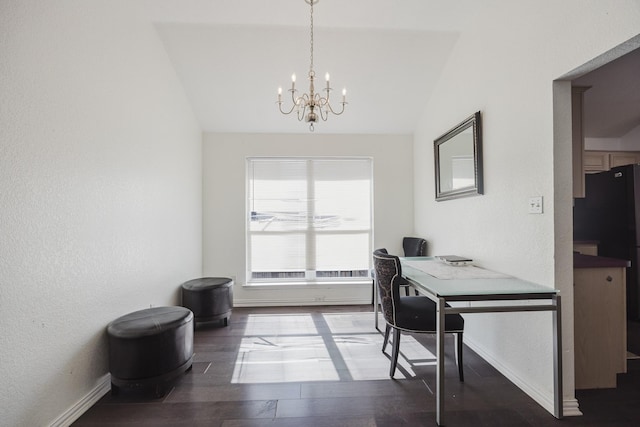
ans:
(406, 290)
(396, 350)
(386, 337)
(458, 351)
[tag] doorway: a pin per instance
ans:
(609, 131)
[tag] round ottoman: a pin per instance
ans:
(210, 298)
(150, 347)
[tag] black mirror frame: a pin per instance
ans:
(478, 187)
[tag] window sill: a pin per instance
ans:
(307, 285)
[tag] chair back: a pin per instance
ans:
(414, 246)
(388, 272)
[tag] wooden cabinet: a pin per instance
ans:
(622, 158)
(600, 328)
(599, 161)
(595, 161)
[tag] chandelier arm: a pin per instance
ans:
(336, 113)
(303, 100)
(305, 97)
(293, 96)
(321, 104)
(302, 111)
(283, 111)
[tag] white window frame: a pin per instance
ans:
(310, 275)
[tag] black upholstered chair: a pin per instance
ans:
(414, 246)
(409, 313)
(376, 301)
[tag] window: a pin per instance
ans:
(308, 219)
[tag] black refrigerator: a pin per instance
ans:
(610, 214)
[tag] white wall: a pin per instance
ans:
(631, 140)
(604, 144)
(224, 205)
(100, 195)
(506, 70)
(627, 142)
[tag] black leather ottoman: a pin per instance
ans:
(210, 298)
(150, 348)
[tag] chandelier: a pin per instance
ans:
(312, 105)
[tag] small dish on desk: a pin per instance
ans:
(454, 260)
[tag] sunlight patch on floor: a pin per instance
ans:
(292, 324)
(335, 346)
(273, 359)
(350, 323)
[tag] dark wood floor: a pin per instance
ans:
(322, 366)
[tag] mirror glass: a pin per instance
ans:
(458, 160)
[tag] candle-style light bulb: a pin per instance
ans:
(293, 77)
(326, 77)
(279, 94)
(344, 94)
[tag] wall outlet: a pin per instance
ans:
(535, 205)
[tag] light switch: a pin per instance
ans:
(535, 205)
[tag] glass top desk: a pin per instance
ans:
(497, 290)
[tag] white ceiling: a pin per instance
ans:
(231, 56)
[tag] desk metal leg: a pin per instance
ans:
(440, 315)
(557, 359)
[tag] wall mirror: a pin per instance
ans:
(458, 158)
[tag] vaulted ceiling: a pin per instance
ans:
(231, 56)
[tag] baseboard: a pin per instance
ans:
(81, 406)
(569, 406)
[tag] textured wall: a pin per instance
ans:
(100, 193)
(505, 66)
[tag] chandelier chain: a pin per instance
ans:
(311, 38)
